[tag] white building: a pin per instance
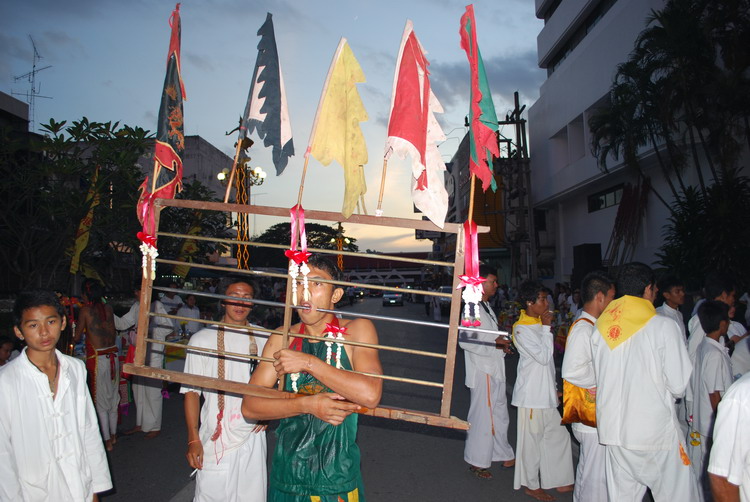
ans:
(580, 46)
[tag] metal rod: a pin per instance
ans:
(414, 381)
(312, 250)
(317, 279)
(375, 317)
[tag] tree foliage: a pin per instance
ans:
(318, 236)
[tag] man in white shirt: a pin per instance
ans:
(147, 391)
(189, 309)
(672, 291)
(50, 446)
(578, 369)
(228, 450)
(712, 376)
(172, 303)
(641, 366)
(487, 438)
(543, 445)
(729, 463)
(718, 287)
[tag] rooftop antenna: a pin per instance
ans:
(33, 93)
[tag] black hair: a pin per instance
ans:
(717, 284)
(667, 283)
(94, 290)
(35, 298)
(485, 270)
(633, 278)
(234, 279)
(711, 313)
(6, 339)
(529, 291)
(594, 283)
(324, 263)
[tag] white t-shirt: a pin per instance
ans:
(675, 314)
(235, 428)
(730, 454)
(712, 372)
(741, 355)
(195, 313)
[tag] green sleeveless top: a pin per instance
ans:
(313, 457)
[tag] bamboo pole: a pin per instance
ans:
(471, 197)
(234, 167)
(302, 179)
(379, 210)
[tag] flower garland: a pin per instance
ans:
(333, 332)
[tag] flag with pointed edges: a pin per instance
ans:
(413, 129)
(84, 227)
(170, 135)
(266, 110)
(336, 134)
(482, 118)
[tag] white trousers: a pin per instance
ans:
(699, 460)
(630, 472)
(148, 401)
(107, 395)
(591, 478)
(542, 450)
(487, 438)
(239, 476)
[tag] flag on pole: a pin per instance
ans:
(413, 129)
(266, 110)
(169, 145)
(84, 227)
(336, 134)
(482, 118)
(188, 250)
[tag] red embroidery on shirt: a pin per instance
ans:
(614, 332)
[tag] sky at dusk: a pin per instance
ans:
(108, 63)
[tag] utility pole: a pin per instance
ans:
(514, 171)
(33, 93)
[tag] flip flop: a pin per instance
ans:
(480, 472)
(511, 464)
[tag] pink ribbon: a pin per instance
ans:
(335, 329)
(297, 215)
(471, 257)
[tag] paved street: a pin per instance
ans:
(400, 461)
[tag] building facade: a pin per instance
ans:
(580, 46)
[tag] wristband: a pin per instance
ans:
(193, 441)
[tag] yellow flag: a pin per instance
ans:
(188, 250)
(336, 134)
(84, 227)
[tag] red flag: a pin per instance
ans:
(482, 118)
(170, 136)
(413, 129)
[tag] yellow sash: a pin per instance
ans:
(623, 318)
(525, 320)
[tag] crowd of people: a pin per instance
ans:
(655, 403)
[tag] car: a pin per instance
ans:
(390, 298)
(359, 293)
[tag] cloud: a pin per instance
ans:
(200, 62)
(506, 74)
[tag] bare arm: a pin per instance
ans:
(192, 407)
(723, 490)
(326, 406)
(361, 389)
(714, 397)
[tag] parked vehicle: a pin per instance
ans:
(445, 303)
(390, 298)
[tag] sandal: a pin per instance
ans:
(480, 472)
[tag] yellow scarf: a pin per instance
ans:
(525, 320)
(623, 318)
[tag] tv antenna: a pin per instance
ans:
(33, 93)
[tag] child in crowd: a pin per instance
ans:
(712, 376)
(6, 348)
(50, 447)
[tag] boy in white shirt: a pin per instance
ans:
(50, 446)
(542, 445)
(711, 377)
(673, 291)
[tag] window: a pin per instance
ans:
(605, 199)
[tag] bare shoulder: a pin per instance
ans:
(360, 329)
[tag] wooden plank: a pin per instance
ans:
(256, 390)
(311, 214)
(450, 350)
